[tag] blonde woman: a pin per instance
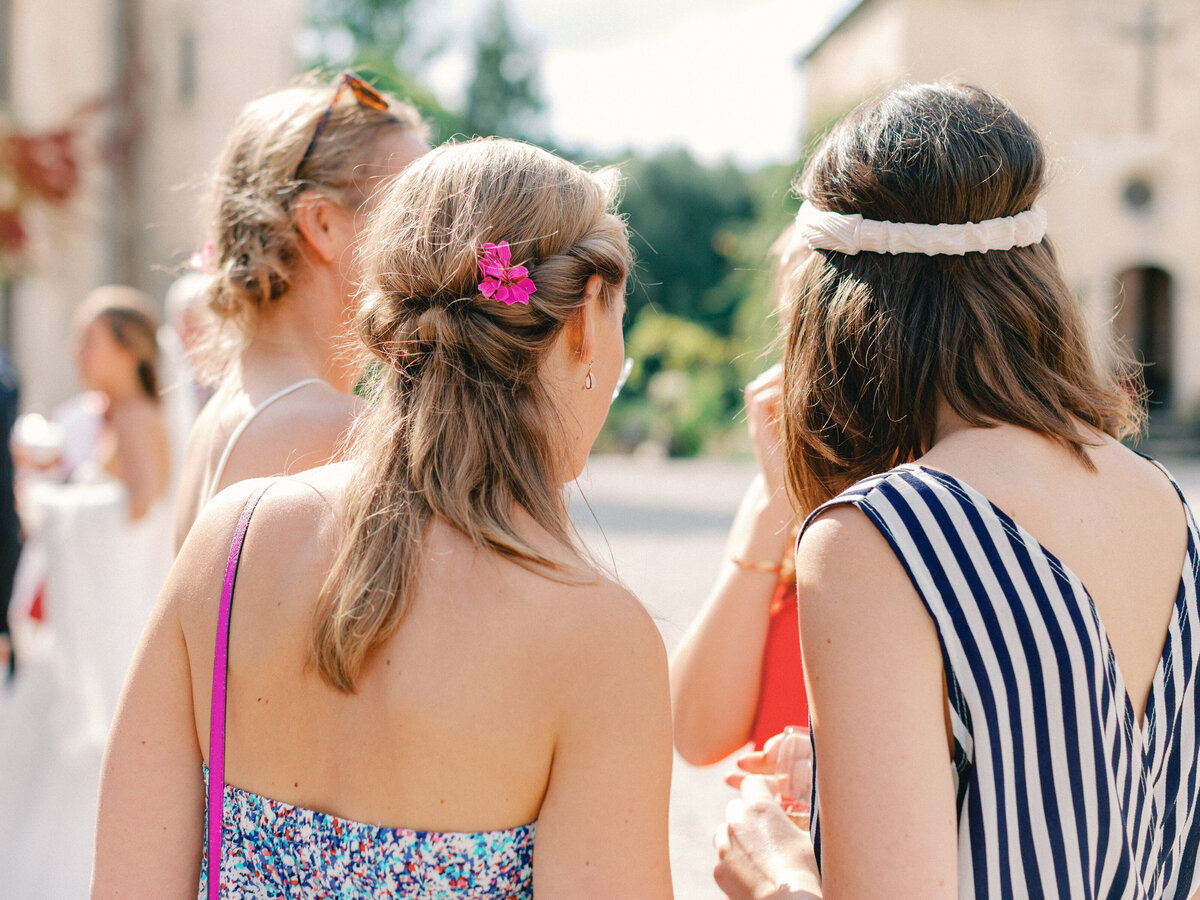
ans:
(429, 689)
(293, 187)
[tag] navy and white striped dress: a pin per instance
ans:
(1060, 794)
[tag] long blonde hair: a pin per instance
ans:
(460, 425)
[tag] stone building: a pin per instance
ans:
(164, 80)
(1113, 87)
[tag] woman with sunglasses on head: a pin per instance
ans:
(425, 687)
(293, 188)
(998, 600)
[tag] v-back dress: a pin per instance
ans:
(266, 848)
(1059, 792)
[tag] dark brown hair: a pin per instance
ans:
(130, 316)
(875, 340)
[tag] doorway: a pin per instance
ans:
(1143, 321)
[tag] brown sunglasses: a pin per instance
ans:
(363, 93)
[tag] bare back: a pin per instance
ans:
(295, 431)
(1121, 528)
(503, 698)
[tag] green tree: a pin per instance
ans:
(504, 96)
(380, 28)
(387, 47)
(682, 215)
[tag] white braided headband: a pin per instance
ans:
(852, 233)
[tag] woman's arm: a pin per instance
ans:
(716, 670)
(148, 836)
(873, 667)
(875, 685)
(602, 829)
(151, 819)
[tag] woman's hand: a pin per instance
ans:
(765, 762)
(761, 854)
(763, 396)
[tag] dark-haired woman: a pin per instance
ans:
(424, 687)
(998, 599)
(116, 353)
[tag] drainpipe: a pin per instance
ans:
(123, 148)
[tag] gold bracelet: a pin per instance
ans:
(779, 570)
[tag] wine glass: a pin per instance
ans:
(793, 774)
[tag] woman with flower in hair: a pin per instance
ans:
(998, 599)
(425, 687)
(292, 190)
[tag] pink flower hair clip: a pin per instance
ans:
(505, 283)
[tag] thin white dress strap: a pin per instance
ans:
(243, 425)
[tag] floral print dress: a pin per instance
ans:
(273, 849)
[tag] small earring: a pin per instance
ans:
(589, 383)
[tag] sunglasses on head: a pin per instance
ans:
(363, 93)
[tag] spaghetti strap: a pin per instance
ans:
(216, 725)
(243, 425)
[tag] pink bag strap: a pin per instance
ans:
(216, 724)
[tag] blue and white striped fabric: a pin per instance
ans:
(1060, 794)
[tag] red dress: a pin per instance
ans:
(782, 699)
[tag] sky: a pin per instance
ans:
(716, 76)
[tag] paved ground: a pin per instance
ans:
(662, 523)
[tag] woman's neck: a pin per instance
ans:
(122, 389)
(302, 335)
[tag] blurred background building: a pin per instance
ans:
(135, 96)
(121, 107)
(1113, 86)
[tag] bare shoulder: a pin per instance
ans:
(194, 584)
(844, 563)
(841, 537)
(603, 614)
(291, 525)
(299, 431)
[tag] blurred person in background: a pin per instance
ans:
(10, 523)
(97, 552)
(180, 339)
(293, 187)
(426, 688)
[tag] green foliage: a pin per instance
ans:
(385, 30)
(679, 387)
(504, 96)
(685, 393)
(682, 216)
(701, 304)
